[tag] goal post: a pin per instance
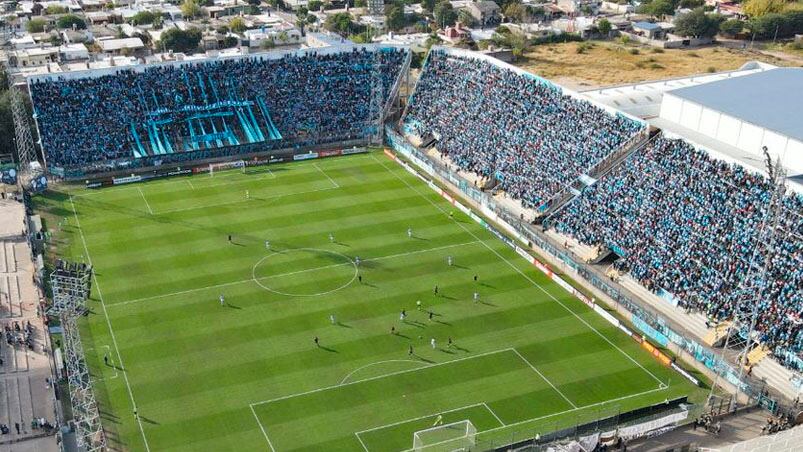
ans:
(215, 167)
(457, 436)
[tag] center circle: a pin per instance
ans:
(304, 272)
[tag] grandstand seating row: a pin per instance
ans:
(521, 129)
(177, 112)
(686, 223)
(682, 221)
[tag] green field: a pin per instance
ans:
(526, 358)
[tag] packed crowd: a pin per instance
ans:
(775, 425)
(522, 130)
(311, 98)
(19, 334)
(688, 224)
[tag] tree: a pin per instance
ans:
(691, 4)
(184, 41)
(770, 26)
(341, 24)
(237, 25)
(465, 18)
(267, 44)
(69, 21)
(55, 9)
(658, 8)
(758, 8)
(516, 12)
(604, 26)
(698, 24)
(229, 42)
(428, 5)
(731, 27)
(314, 5)
(395, 16)
(190, 9)
(35, 26)
(55, 40)
(360, 3)
(445, 14)
(143, 18)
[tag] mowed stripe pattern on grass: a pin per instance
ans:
(196, 367)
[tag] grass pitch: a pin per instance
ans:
(526, 357)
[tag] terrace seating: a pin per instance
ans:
(210, 108)
(687, 224)
(524, 131)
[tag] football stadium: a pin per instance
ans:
(324, 250)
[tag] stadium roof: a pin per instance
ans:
(770, 99)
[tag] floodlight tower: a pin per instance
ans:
(26, 149)
(70, 283)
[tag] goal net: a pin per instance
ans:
(457, 436)
(215, 167)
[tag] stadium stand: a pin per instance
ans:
(189, 110)
(684, 224)
(493, 120)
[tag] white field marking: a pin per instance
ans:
(288, 294)
(532, 281)
(109, 349)
(384, 426)
(364, 447)
(377, 363)
(326, 175)
(109, 324)
(245, 176)
(554, 414)
(246, 200)
(337, 386)
(190, 182)
(146, 201)
(261, 427)
(547, 416)
(545, 378)
(494, 414)
(243, 281)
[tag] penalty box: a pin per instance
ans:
(383, 412)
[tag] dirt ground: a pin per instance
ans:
(592, 64)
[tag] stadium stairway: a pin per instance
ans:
(16, 405)
(717, 333)
(8, 258)
(693, 322)
(757, 354)
(585, 252)
(10, 296)
(15, 359)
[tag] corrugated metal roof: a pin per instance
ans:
(771, 99)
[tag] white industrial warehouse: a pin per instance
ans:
(749, 112)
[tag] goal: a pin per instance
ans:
(457, 436)
(215, 167)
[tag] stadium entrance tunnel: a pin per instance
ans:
(304, 272)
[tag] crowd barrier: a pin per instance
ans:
(642, 318)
